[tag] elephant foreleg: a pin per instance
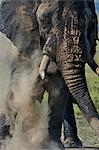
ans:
(70, 130)
(57, 104)
(61, 107)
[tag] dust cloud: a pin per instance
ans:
(8, 53)
(30, 130)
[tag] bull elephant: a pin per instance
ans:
(68, 44)
(19, 26)
(18, 22)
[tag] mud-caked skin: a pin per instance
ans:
(68, 44)
(18, 21)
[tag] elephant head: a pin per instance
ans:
(66, 43)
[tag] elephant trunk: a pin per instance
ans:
(74, 76)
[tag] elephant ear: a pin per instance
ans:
(92, 28)
(18, 22)
(11, 15)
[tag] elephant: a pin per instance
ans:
(68, 45)
(19, 23)
(23, 31)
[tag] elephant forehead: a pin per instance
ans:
(47, 8)
(42, 8)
